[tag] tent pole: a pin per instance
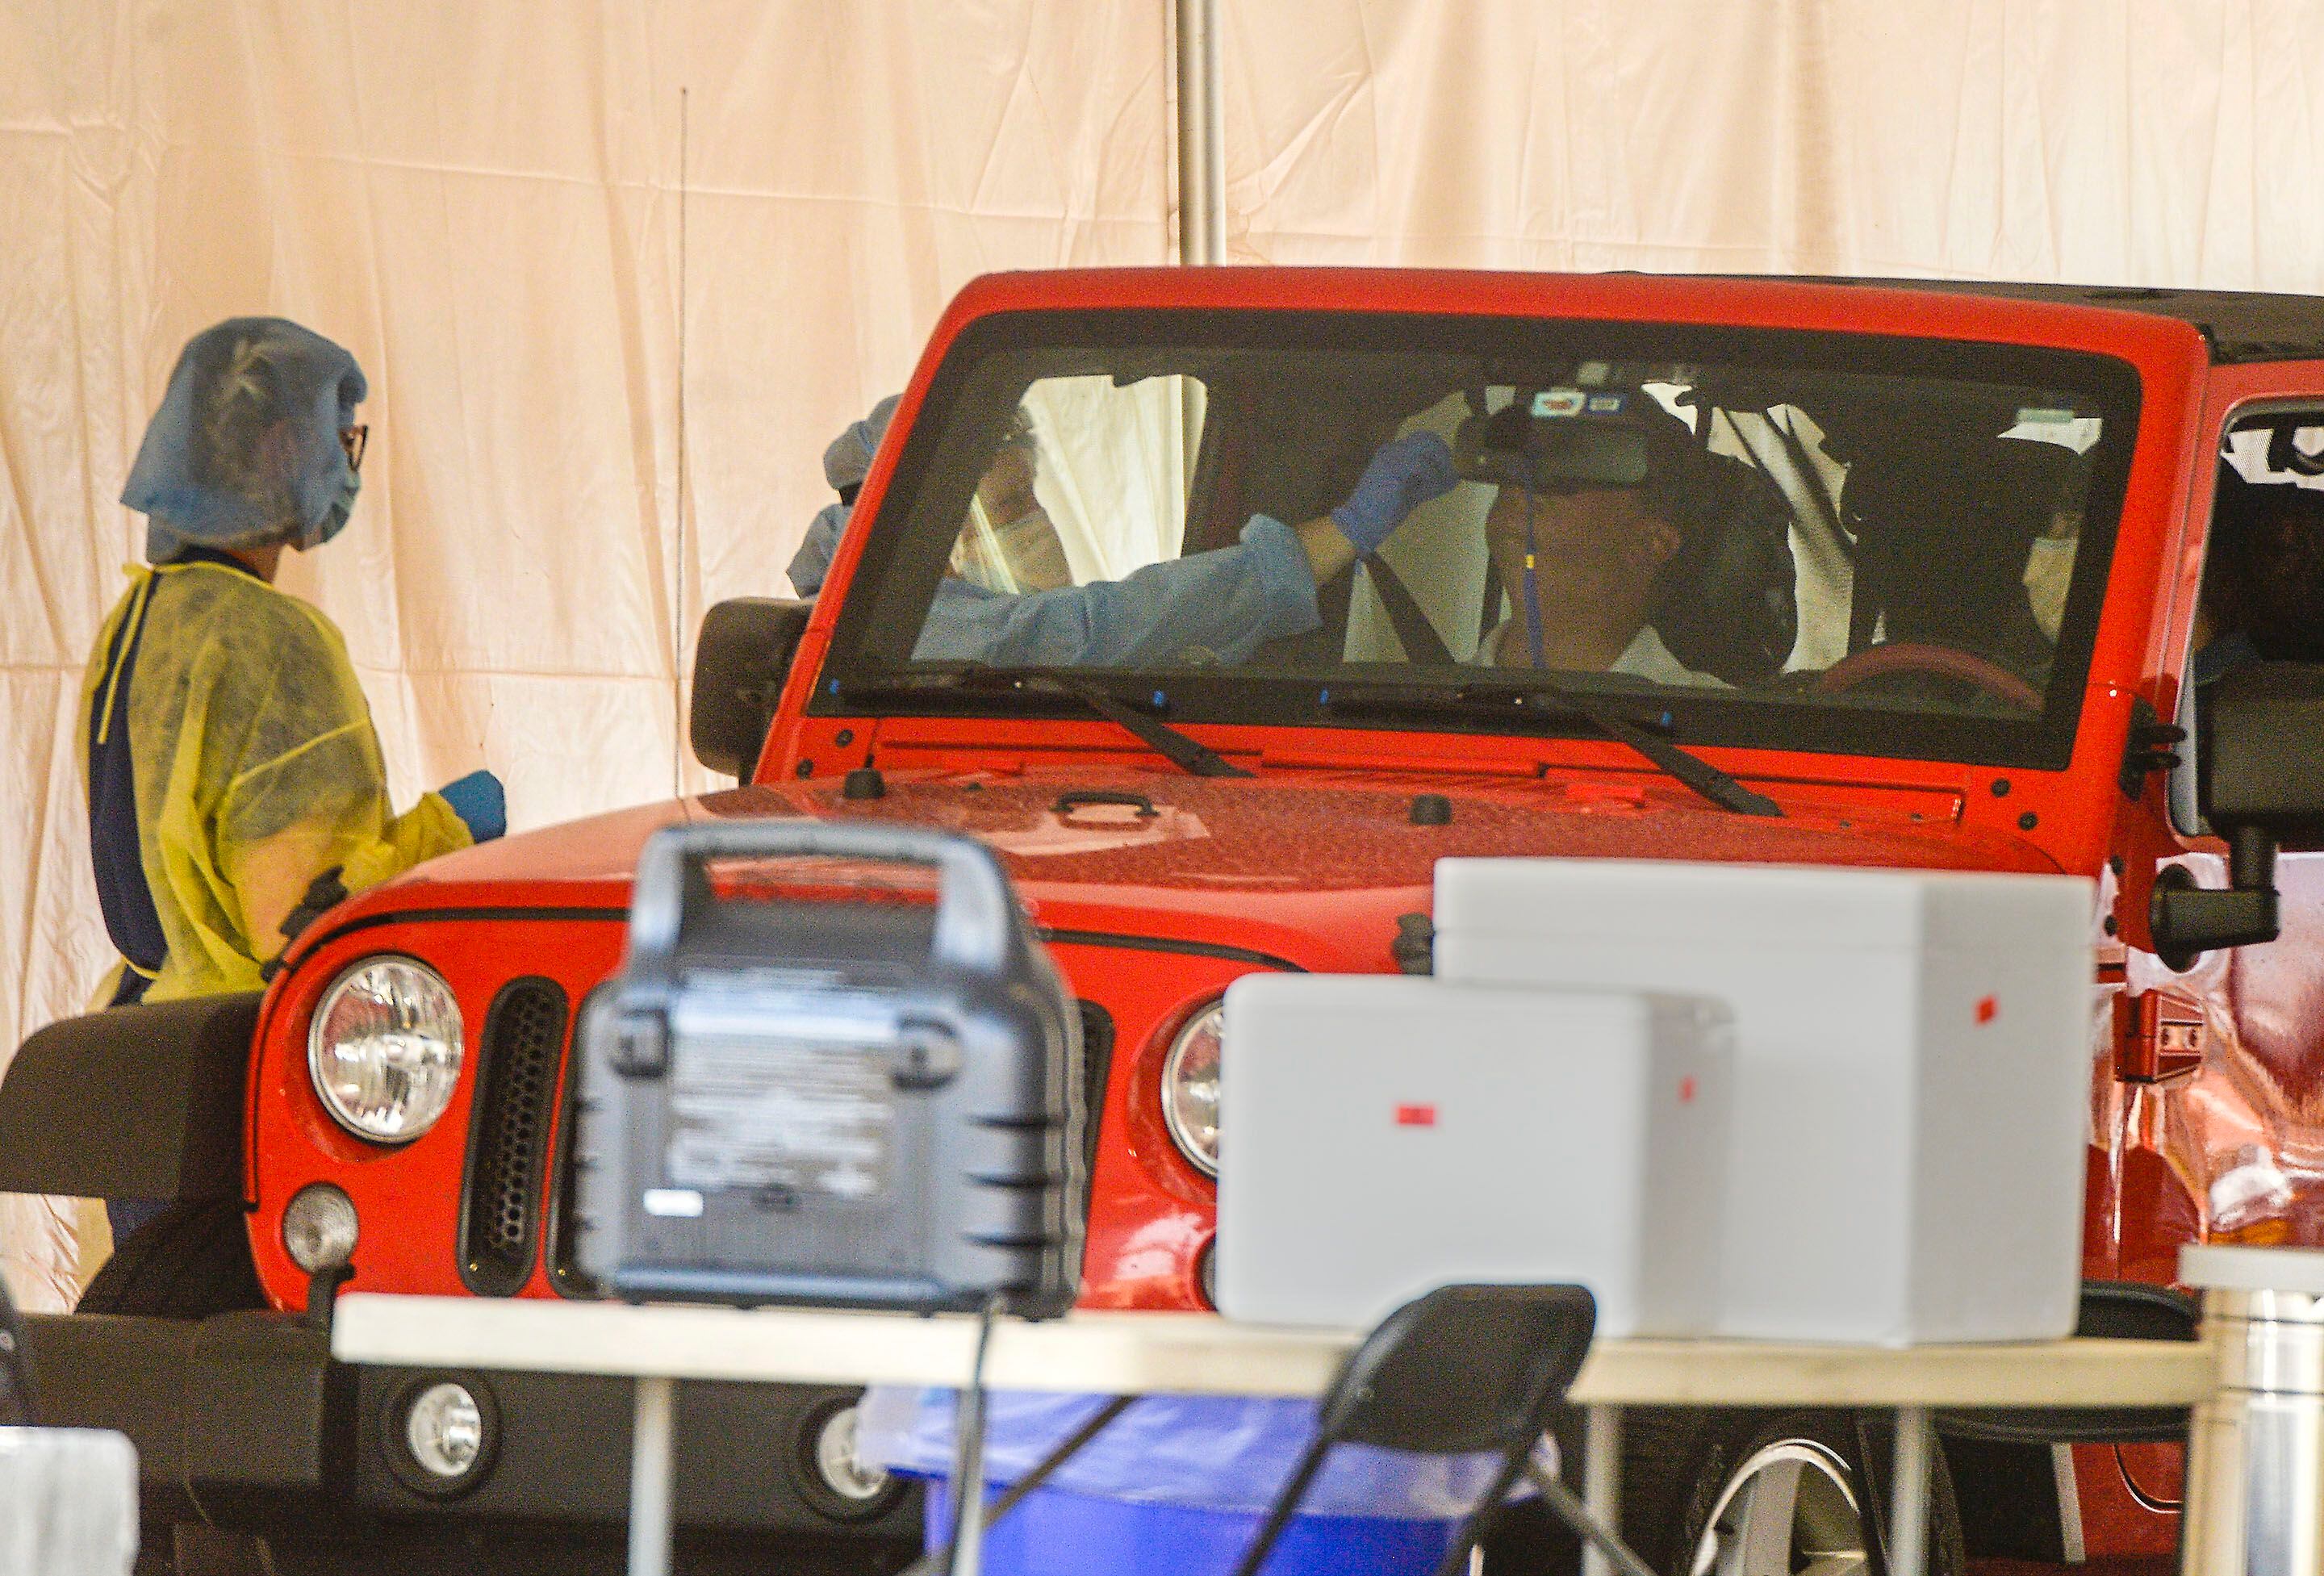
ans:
(1202, 137)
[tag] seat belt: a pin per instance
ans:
(1414, 631)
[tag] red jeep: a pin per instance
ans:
(1939, 616)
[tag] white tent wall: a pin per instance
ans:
(482, 202)
(2148, 141)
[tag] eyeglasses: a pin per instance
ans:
(355, 440)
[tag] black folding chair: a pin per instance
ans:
(1465, 1368)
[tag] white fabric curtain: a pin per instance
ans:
(1114, 465)
(483, 203)
(2144, 142)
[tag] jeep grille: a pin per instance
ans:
(508, 1135)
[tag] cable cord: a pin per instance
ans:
(968, 1455)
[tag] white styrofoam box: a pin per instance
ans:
(1381, 1136)
(1911, 1081)
(67, 1502)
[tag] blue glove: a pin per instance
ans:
(1402, 476)
(477, 800)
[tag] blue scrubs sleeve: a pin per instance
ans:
(1213, 607)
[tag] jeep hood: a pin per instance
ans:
(1311, 869)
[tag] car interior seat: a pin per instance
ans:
(1293, 460)
(1732, 609)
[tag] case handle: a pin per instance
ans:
(977, 927)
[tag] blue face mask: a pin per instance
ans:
(335, 518)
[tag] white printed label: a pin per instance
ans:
(805, 1116)
(682, 1203)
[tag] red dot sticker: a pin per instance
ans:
(1415, 1115)
(1686, 1090)
(1988, 1010)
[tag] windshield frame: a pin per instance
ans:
(896, 573)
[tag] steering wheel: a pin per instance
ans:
(1915, 657)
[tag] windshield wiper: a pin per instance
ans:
(1180, 750)
(1523, 697)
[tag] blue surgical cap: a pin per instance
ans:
(848, 460)
(845, 462)
(245, 449)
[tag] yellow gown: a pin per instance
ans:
(255, 764)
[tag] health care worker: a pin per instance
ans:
(1218, 606)
(231, 759)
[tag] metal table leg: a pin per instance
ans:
(2256, 1462)
(1601, 1478)
(1908, 1521)
(650, 1441)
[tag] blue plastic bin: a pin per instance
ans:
(1053, 1533)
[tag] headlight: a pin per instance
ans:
(384, 1051)
(1189, 1089)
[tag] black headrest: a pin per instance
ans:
(1730, 606)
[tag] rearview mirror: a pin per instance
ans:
(2261, 755)
(740, 663)
(1518, 446)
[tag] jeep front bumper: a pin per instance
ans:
(243, 1420)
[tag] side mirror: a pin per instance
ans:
(740, 663)
(2262, 757)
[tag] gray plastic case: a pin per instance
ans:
(872, 1104)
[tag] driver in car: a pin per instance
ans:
(1008, 600)
(1585, 564)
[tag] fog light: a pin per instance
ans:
(441, 1434)
(834, 1479)
(446, 1431)
(320, 1228)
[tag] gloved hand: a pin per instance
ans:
(478, 800)
(1402, 476)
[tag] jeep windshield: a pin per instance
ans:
(1837, 542)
